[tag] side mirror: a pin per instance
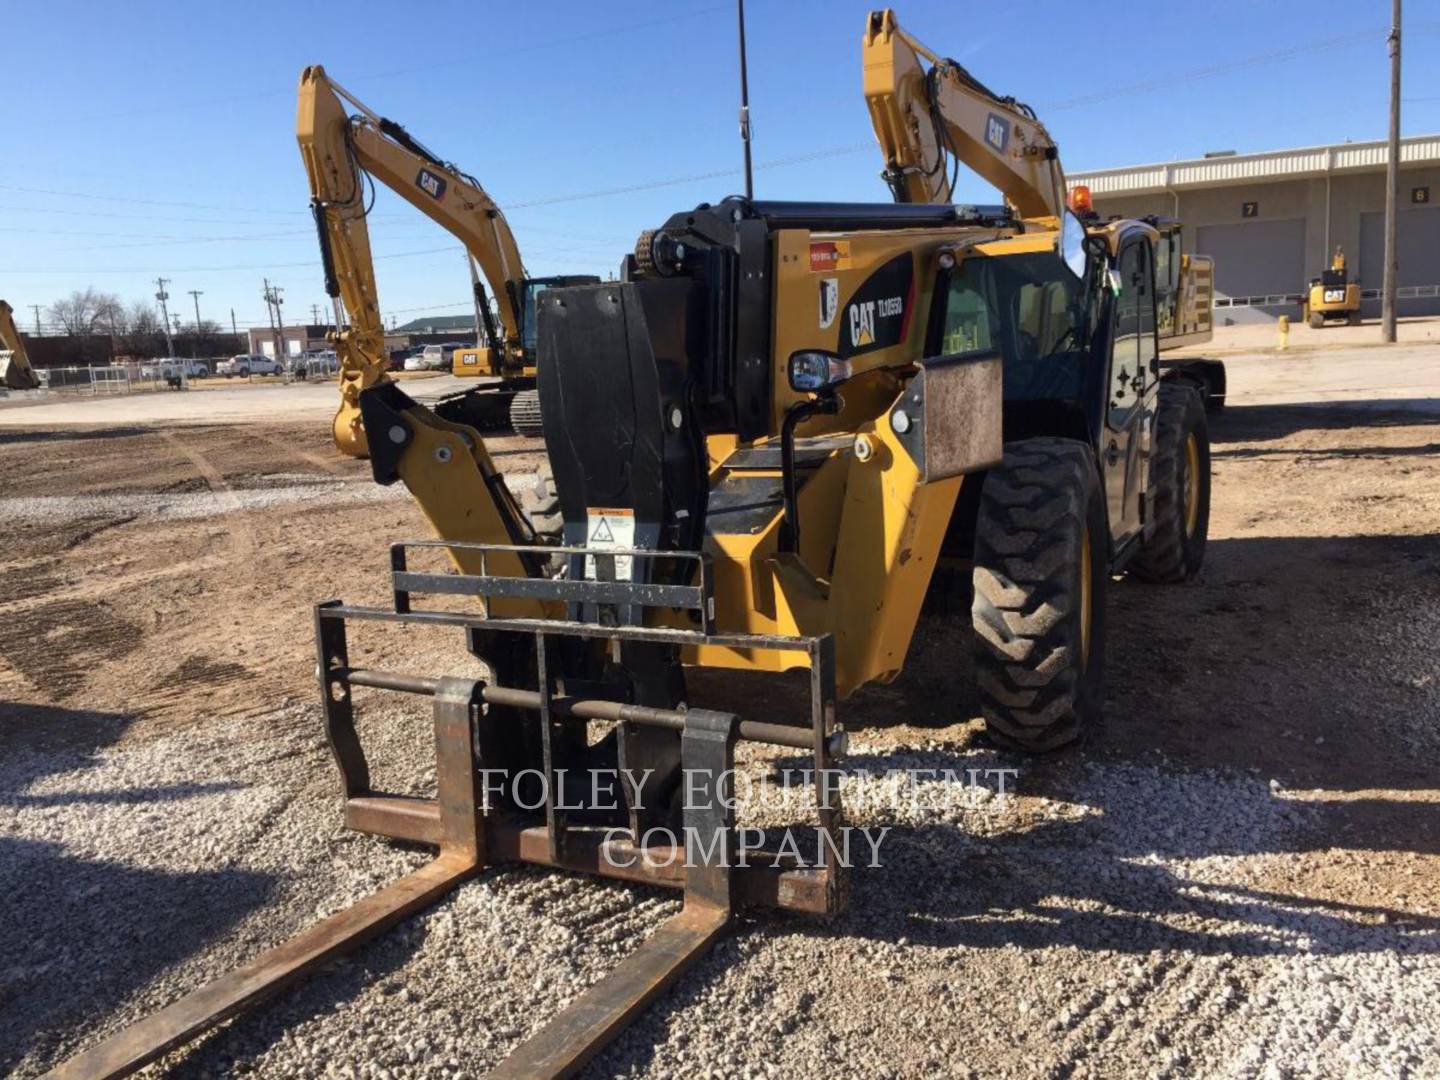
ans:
(814, 371)
(1072, 244)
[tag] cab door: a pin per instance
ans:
(1131, 389)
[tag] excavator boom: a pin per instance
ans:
(340, 150)
(15, 370)
(926, 115)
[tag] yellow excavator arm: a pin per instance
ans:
(15, 370)
(926, 115)
(340, 150)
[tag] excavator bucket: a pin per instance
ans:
(15, 370)
(474, 831)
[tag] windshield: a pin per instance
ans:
(1031, 310)
(527, 331)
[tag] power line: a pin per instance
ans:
(143, 202)
(1171, 79)
(459, 61)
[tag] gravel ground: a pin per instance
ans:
(1064, 926)
(1237, 877)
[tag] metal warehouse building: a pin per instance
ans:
(1272, 220)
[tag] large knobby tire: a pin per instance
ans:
(1316, 320)
(1180, 478)
(1040, 570)
(525, 414)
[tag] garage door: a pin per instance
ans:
(1417, 233)
(1255, 258)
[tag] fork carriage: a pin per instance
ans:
(474, 830)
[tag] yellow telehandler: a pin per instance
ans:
(764, 437)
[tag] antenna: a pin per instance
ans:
(745, 106)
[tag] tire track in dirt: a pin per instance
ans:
(242, 533)
(320, 461)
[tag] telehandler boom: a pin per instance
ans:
(766, 438)
(15, 370)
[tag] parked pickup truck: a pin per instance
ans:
(173, 367)
(250, 364)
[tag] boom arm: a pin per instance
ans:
(339, 150)
(445, 465)
(924, 116)
(15, 370)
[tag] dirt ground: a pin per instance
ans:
(1240, 873)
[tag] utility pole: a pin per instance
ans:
(36, 308)
(195, 294)
(314, 314)
(162, 296)
(1392, 185)
(277, 324)
(233, 328)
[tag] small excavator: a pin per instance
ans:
(341, 152)
(765, 436)
(15, 370)
(1333, 295)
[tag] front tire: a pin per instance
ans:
(1041, 566)
(1180, 477)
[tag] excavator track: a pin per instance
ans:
(525, 414)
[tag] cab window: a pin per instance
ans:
(1032, 310)
(527, 329)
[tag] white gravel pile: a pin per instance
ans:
(1118, 919)
(287, 489)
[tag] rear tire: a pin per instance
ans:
(1353, 319)
(1041, 568)
(1317, 321)
(525, 414)
(1180, 478)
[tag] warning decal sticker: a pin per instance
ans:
(828, 255)
(610, 528)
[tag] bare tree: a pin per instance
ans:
(143, 335)
(85, 312)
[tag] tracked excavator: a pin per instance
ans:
(344, 150)
(766, 436)
(15, 370)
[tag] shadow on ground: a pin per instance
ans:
(83, 935)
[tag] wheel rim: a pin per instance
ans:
(1192, 484)
(1085, 599)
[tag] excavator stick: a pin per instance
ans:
(705, 860)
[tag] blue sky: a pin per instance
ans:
(153, 138)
